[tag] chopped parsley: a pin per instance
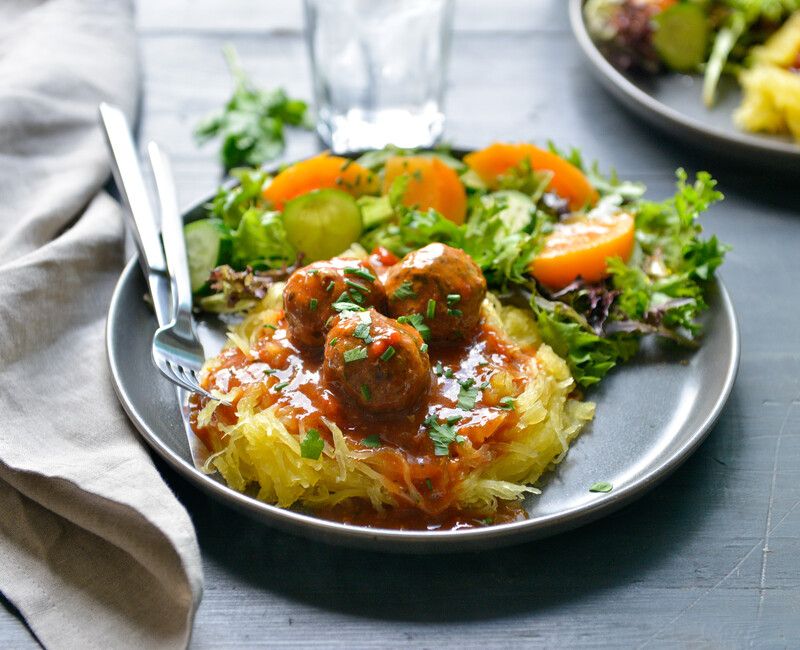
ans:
(361, 273)
(372, 441)
(280, 386)
(362, 332)
(442, 434)
(312, 445)
(388, 353)
(601, 486)
(416, 321)
(507, 403)
(467, 394)
(344, 305)
(431, 311)
(405, 290)
(453, 298)
(355, 354)
(312, 304)
(366, 392)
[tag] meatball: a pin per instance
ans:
(441, 283)
(375, 362)
(311, 292)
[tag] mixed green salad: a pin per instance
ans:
(708, 36)
(536, 221)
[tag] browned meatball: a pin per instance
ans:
(312, 290)
(376, 362)
(441, 283)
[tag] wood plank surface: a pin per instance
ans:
(711, 558)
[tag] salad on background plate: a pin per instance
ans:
(755, 41)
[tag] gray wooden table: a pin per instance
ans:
(711, 558)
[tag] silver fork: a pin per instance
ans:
(177, 351)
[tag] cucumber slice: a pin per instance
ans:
(322, 223)
(206, 241)
(681, 37)
(517, 213)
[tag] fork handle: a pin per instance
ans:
(129, 180)
(174, 242)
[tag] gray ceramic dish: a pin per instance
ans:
(673, 103)
(651, 415)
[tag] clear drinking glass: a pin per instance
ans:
(379, 70)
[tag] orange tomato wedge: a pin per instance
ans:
(582, 248)
(431, 184)
(568, 181)
(320, 172)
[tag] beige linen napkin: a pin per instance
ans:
(95, 551)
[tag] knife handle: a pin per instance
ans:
(141, 219)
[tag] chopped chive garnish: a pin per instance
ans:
(268, 326)
(372, 441)
(448, 372)
(437, 369)
(482, 364)
(431, 308)
(453, 419)
(312, 304)
(429, 484)
(355, 354)
(356, 285)
(334, 341)
(279, 387)
(484, 385)
(405, 290)
(601, 486)
(313, 271)
(453, 298)
(366, 392)
(455, 312)
(423, 348)
(507, 403)
(270, 371)
(361, 273)
(330, 286)
(356, 296)
(388, 353)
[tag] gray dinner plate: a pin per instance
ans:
(673, 103)
(651, 415)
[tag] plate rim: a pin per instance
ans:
(408, 541)
(649, 108)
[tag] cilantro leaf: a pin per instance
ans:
(417, 321)
(442, 434)
(251, 124)
(405, 290)
(312, 445)
(467, 394)
(372, 441)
